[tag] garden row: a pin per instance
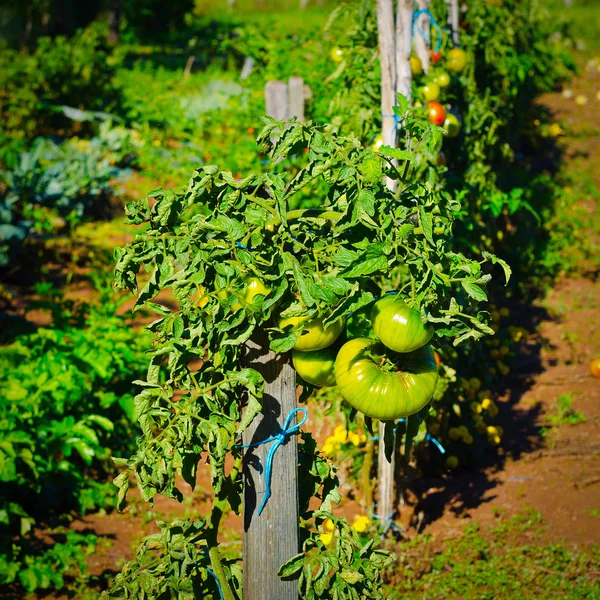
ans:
(466, 201)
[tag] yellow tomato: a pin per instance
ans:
(337, 55)
(457, 60)
(377, 143)
(416, 66)
(430, 91)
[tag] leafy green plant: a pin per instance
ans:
(205, 244)
(77, 72)
(55, 187)
(66, 403)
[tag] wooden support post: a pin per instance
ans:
(403, 48)
(396, 77)
(296, 97)
(453, 20)
(422, 47)
(271, 538)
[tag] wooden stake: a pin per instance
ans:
(296, 97)
(271, 538)
(396, 77)
(453, 19)
(423, 47)
(403, 47)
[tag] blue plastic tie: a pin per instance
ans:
(279, 440)
(396, 123)
(217, 580)
(388, 523)
(424, 35)
(431, 439)
(240, 245)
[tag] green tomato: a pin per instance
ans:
(313, 335)
(399, 327)
(252, 288)
(457, 60)
(430, 91)
(315, 367)
(451, 125)
(442, 79)
(385, 395)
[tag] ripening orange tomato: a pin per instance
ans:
(595, 367)
(435, 56)
(437, 113)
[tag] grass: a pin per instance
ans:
(507, 561)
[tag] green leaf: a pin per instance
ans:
(292, 566)
(473, 290)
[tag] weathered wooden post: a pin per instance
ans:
(423, 44)
(395, 48)
(453, 20)
(296, 97)
(271, 538)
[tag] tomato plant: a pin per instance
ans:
(319, 265)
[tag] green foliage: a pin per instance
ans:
(496, 564)
(565, 414)
(348, 567)
(73, 71)
(54, 187)
(66, 405)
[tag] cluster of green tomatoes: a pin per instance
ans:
(379, 358)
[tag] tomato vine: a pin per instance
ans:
(222, 232)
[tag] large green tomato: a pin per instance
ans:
(315, 367)
(314, 336)
(457, 60)
(380, 394)
(399, 327)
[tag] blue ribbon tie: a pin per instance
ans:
(278, 440)
(423, 34)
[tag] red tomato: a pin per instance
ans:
(435, 56)
(437, 113)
